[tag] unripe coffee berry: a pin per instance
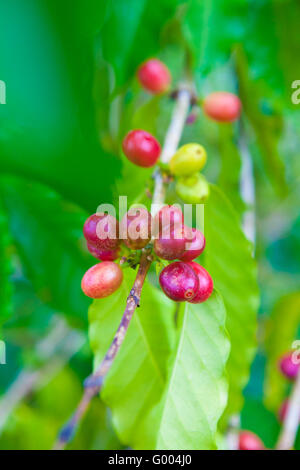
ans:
(188, 159)
(102, 280)
(141, 148)
(250, 441)
(205, 283)
(192, 189)
(103, 255)
(222, 106)
(194, 245)
(179, 281)
(154, 76)
(288, 366)
(101, 231)
(136, 227)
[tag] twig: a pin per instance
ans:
(247, 189)
(291, 421)
(173, 135)
(93, 384)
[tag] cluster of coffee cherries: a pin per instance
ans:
(289, 367)
(142, 149)
(182, 280)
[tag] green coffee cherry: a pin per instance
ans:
(192, 189)
(188, 159)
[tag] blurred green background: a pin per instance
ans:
(71, 93)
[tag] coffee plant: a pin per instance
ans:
(149, 227)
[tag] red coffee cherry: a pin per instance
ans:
(136, 227)
(288, 366)
(205, 283)
(179, 281)
(170, 244)
(102, 231)
(168, 216)
(194, 245)
(154, 76)
(222, 106)
(141, 148)
(102, 280)
(250, 441)
(103, 255)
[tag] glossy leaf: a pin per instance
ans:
(196, 391)
(47, 233)
(48, 131)
(138, 376)
(229, 261)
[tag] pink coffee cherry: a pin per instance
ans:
(168, 218)
(136, 225)
(103, 255)
(205, 283)
(250, 441)
(222, 106)
(179, 281)
(171, 243)
(154, 76)
(288, 366)
(141, 148)
(102, 280)
(102, 231)
(194, 246)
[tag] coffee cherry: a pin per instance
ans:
(288, 367)
(179, 281)
(136, 227)
(192, 189)
(102, 280)
(205, 283)
(188, 159)
(101, 231)
(222, 106)
(250, 441)
(169, 217)
(154, 76)
(194, 245)
(141, 148)
(171, 243)
(103, 255)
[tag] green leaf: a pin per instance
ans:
(266, 125)
(138, 376)
(135, 26)
(5, 270)
(256, 418)
(282, 331)
(48, 233)
(229, 261)
(48, 128)
(229, 177)
(196, 391)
